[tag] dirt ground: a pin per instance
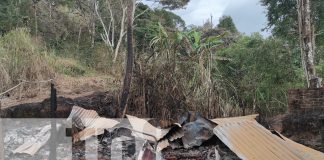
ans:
(68, 87)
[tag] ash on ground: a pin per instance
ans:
(117, 144)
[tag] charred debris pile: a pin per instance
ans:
(191, 137)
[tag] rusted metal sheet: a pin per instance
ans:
(313, 154)
(251, 141)
(235, 119)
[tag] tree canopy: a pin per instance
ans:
(283, 21)
(173, 4)
(226, 22)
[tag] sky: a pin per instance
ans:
(248, 15)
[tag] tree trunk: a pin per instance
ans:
(93, 24)
(79, 36)
(50, 5)
(36, 25)
(307, 42)
(130, 59)
(121, 34)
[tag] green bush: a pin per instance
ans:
(259, 73)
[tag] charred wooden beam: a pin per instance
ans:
(1, 135)
(1, 138)
(53, 138)
(130, 59)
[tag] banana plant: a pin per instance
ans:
(195, 43)
(161, 41)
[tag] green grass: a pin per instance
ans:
(22, 57)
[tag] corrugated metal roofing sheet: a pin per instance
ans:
(235, 119)
(143, 126)
(91, 123)
(314, 154)
(251, 141)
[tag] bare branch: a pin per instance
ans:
(106, 36)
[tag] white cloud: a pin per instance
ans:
(248, 15)
(198, 11)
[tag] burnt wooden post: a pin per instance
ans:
(1, 138)
(53, 100)
(2, 156)
(53, 138)
(129, 61)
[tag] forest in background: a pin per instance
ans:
(212, 68)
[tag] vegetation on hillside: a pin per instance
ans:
(22, 59)
(212, 69)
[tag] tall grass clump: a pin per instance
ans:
(179, 75)
(21, 58)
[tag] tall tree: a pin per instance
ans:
(109, 30)
(226, 22)
(282, 18)
(172, 4)
(15, 13)
(148, 22)
(130, 58)
(285, 21)
(307, 41)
